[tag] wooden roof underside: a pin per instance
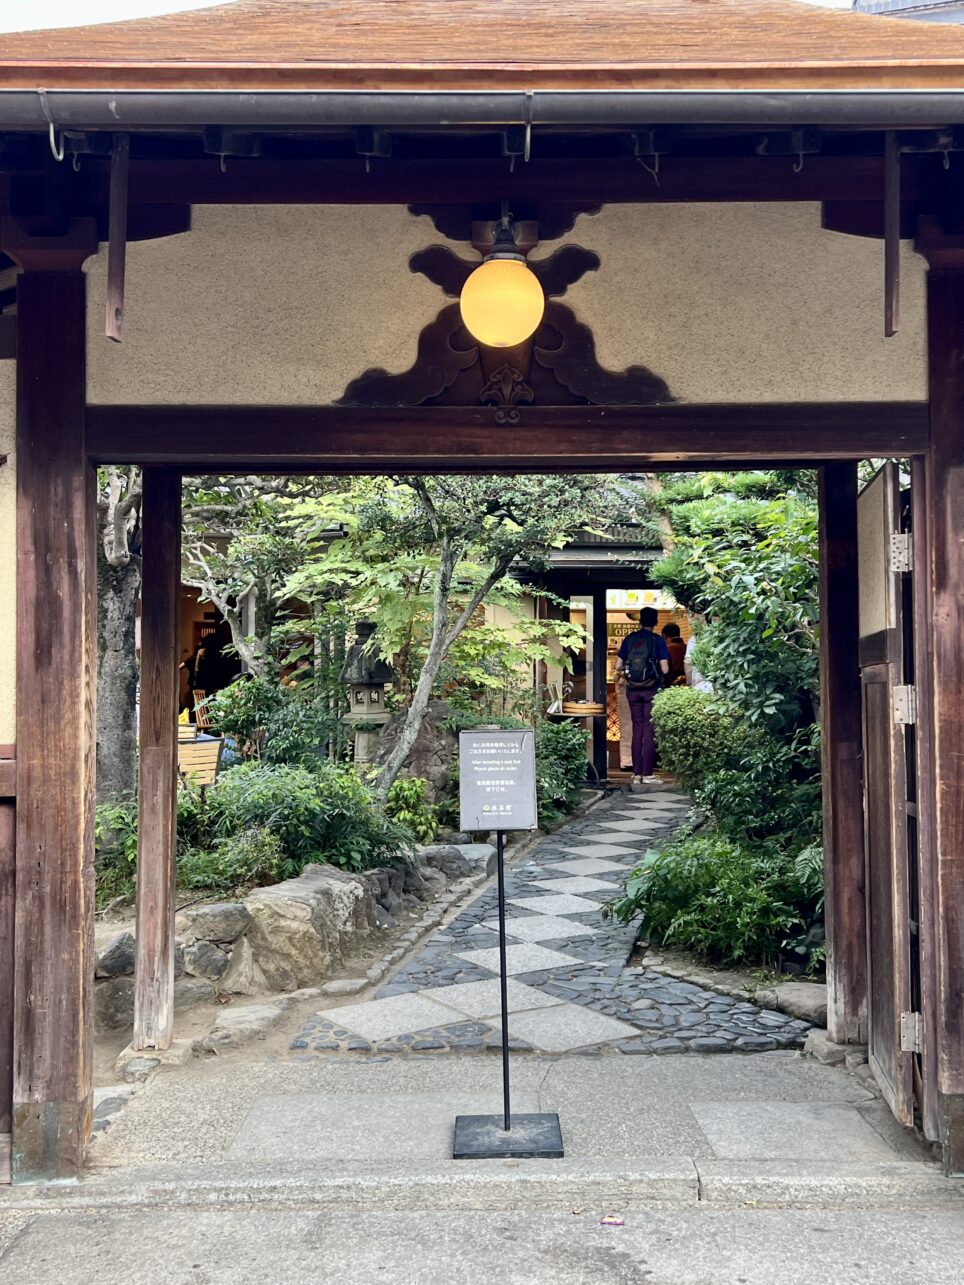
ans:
(492, 45)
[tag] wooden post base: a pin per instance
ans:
(49, 1139)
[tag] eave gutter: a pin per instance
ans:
(27, 109)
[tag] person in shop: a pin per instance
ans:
(676, 674)
(641, 664)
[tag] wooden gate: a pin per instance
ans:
(887, 709)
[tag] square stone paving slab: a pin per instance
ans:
(562, 903)
(601, 847)
(542, 928)
(577, 884)
(636, 826)
(568, 1026)
(483, 1000)
(587, 866)
(789, 1131)
(527, 958)
(381, 1019)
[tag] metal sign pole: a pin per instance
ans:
(498, 783)
(503, 977)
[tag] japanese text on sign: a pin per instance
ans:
(497, 775)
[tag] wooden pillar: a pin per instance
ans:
(157, 807)
(944, 621)
(8, 842)
(56, 666)
(841, 740)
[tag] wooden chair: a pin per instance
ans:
(198, 761)
(187, 731)
(201, 716)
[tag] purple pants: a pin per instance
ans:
(644, 744)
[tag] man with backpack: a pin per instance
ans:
(642, 661)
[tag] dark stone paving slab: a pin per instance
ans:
(667, 1016)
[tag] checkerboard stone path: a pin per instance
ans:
(570, 985)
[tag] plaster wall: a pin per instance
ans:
(8, 555)
(287, 304)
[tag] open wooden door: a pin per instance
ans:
(887, 708)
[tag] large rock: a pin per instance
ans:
(221, 922)
(114, 999)
(204, 959)
(189, 991)
(434, 753)
(114, 1003)
(806, 1000)
(243, 975)
(301, 929)
(447, 858)
(117, 960)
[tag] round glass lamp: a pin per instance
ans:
(502, 302)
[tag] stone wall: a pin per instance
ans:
(283, 937)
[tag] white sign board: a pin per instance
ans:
(497, 780)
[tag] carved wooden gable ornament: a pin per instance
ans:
(556, 367)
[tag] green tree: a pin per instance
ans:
(442, 543)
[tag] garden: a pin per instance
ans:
(744, 886)
(422, 559)
(419, 558)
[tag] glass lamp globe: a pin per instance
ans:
(502, 302)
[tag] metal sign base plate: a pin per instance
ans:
(532, 1137)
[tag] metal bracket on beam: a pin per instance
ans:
(891, 234)
(222, 143)
(371, 142)
(649, 145)
(792, 142)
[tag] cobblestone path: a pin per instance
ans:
(570, 986)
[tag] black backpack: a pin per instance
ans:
(643, 672)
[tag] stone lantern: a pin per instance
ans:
(366, 675)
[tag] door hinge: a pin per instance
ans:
(901, 552)
(910, 1033)
(905, 705)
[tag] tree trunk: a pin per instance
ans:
(118, 590)
(426, 680)
(442, 639)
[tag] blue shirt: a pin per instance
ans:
(662, 652)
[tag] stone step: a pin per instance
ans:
(645, 1181)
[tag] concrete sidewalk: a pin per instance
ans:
(767, 1167)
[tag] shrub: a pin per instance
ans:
(406, 803)
(254, 856)
(772, 793)
(729, 903)
(560, 768)
(276, 722)
(115, 850)
(325, 815)
(697, 734)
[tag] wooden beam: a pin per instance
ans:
(117, 236)
(157, 790)
(944, 575)
(8, 843)
(457, 180)
(841, 752)
(456, 439)
(56, 664)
